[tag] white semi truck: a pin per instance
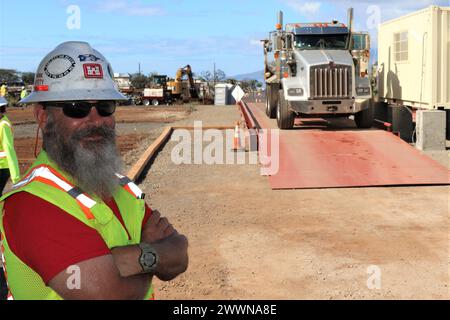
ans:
(319, 70)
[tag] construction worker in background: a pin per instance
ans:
(8, 167)
(23, 93)
(72, 227)
(3, 90)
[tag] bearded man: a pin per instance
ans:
(72, 227)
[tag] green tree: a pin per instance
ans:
(209, 76)
(250, 85)
(9, 76)
(28, 78)
(139, 81)
(220, 75)
(206, 76)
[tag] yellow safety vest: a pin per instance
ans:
(46, 181)
(8, 157)
(3, 91)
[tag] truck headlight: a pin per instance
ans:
(362, 91)
(295, 92)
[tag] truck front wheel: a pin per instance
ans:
(271, 100)
(364, 118)
(285, 117)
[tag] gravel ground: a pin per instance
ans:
(131, 157)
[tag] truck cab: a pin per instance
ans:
(317, 69)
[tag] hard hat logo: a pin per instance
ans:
(61, 77)
(93, 70)
(59, 66)
(88, 57)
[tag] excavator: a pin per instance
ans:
(164, 90)
(181, 89)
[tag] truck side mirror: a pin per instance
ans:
(289, 41)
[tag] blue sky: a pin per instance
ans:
(165, 35)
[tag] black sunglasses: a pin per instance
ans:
(81, 109)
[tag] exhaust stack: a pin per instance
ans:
(279, 26)
(350, 28)
(350, 19)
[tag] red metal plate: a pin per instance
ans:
(316, 158)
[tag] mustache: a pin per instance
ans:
(107, 133)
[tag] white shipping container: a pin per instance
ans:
(413, 59)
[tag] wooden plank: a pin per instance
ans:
(221, 127)
(139, 166)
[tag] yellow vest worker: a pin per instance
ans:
(3, 90)
(23, 93)
(8, 159)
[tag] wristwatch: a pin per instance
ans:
(148, 259)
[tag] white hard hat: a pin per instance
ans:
(74, 71)
(3, 102)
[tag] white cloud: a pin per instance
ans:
(304, 7)
(130, 8)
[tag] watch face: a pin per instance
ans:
(149, 259)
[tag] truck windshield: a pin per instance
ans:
(321, 41)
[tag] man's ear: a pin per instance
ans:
(41, 115)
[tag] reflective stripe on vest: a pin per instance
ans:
(49, 176)
(5, 122)
(2, 154)
(130, 187)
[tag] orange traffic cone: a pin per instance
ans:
(237, 139)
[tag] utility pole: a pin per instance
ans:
(214, 76)
(139, 68)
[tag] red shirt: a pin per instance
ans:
(47, 238)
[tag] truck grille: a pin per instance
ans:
(331, 82)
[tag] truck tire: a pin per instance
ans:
(364, 118)
(155, 102)
(146, 102)
(285, 117)
(271, 100)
